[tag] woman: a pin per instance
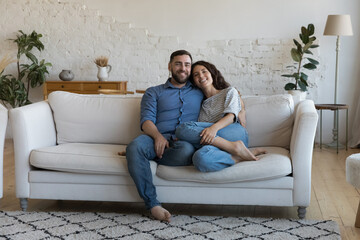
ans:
(218, 135)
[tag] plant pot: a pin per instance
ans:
(297, 96)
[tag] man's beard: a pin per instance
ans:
(178, 79)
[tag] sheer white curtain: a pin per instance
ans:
(355, 132)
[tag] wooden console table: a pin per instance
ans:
(83, 87)
(334, 107)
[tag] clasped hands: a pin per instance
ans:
(207, 137)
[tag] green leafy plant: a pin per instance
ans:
(298, 54)
(15, 91)
(12, 91)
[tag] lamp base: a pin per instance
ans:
(333, 144)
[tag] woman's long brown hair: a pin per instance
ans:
(218, 79)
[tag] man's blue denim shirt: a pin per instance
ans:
(168, 106)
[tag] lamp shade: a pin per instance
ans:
(338, 25)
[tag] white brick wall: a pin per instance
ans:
(75, 35)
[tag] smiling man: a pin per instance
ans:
(163, 108)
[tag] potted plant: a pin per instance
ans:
(299, 54)
(15, 90)
(10, 91)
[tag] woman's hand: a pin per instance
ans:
(207, 135)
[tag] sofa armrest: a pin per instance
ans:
(3, 124)
(301, 151)
(33, 127)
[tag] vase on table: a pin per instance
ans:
(103, 72)
(66, 75)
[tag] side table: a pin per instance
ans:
(114, 92)
(334, 107)
(83, 87)
(140, 91)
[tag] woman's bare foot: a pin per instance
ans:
(241, 153)
(258, 151)
(160, 213)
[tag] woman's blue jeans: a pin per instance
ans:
(138, 154)
(209, 158)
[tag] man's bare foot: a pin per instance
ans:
(258, 151)
(160, 213)
(241, 153)
(123, 153)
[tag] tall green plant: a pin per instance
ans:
(15, 91)
(298, 54)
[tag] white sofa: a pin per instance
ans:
(67, 148)
(3, 125)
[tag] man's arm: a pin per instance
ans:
(160, 143)
(148, 119)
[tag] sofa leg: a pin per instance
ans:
(23, 204)
(357, 221)
(301, 212)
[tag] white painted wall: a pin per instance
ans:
(237, 19)
(197, 24)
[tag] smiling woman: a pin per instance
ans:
(221, 141)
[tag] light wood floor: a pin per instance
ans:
(332, 197)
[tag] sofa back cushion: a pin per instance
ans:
(95, 118)
(115, 119)
(269, 120)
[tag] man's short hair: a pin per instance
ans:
(179, 53)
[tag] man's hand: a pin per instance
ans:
(160, 144)
(207, 135)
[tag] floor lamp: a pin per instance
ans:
(337, 25)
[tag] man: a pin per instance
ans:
(163, 108)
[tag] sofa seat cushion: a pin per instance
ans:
(82, 158)
(276, 163)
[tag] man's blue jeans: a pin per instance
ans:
(209, 158)
(138, 154)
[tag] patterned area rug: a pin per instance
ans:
(74, 225)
